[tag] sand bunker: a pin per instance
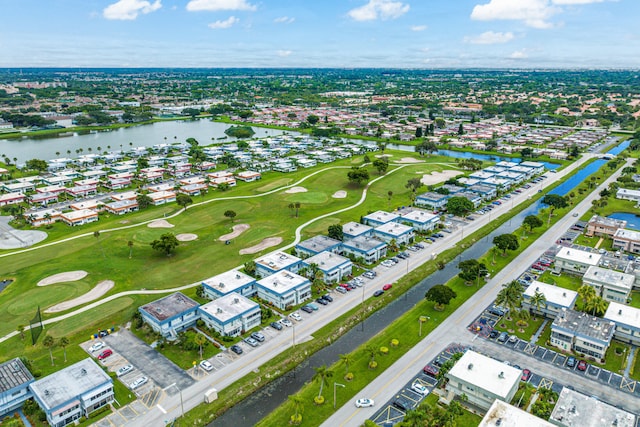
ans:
(339, 194)
(266, 243)
(160, 223)
(95, 293)
(186, 237)
(438, 177)
(409, 160)
(68, 276)
(383, 155)
(293, 190)
(237, 230)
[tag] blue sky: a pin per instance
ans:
(321, 33)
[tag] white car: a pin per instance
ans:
(286, 322)
(124, 370)
(420, 388)
(296, 316)
(206, 365)
(137, 383)
(364, 403)
(95, 347)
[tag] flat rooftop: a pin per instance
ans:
(604, 275)
(278, 260)
(381, 216)
(501, 414)
(623, 314)
(394, 229)
(13, 374)
(580, 410)
(608, 222)
(228, 307)
(169, 306)
(576, 255)
(327, 260)
(282, 281)
(420, 216)
(69, 383)
(584, 324)
(228, 281)
(318, 243)
(81, 213)
(486, 373)
(623, 233)
(355, 228)
(554, 294)
(363, 243)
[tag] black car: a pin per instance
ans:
(327, 298)
(276, 325)
(402, 404)
(494, 334)
(306, 309)
(402, 256)
(378, 293)
(236, 349)
(322, 301)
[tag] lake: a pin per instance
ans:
(633, 220)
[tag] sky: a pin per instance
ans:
(418, 34)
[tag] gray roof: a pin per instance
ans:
(13, 374)
(318, 243)
(69, 383)
(577, 409)
(584, 325)
(169, 306)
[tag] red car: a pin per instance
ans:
(526, 374)
(105, 354)
(387, 287)
(431, 370)
(582, 365)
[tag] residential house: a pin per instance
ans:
(581, 333)
(193, 189)
(628, 194)
(229, 282)
(122, 207)
(79, 217)
(231, 315)
(575, 261)
(333, 267)
(603, 226)
(379, 218)
(11, 199)
(370, 250)
(352, 230)
(276, 261)
(284, 289)
(556, 299)
(248, 176)
(42, 217)
(317, 244)
(162, 197)
(420, 220)
(171, 314)
(14, 386)
(626, 240)
(609, 284)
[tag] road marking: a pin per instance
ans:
(161, 408)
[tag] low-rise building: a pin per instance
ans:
(420, 220)
(370, 250)
(334, 267)
(79, 217)
(502, 414)
(284, 289)
(575, 261)
(276, 261)
(73, 392)
(228, 282)
(43, 217)
(603, 226)
(43, 199)
(231, 315)
(628, 194)
(162, 197)
(317, 244)
(581, 333)
(402, 234)
(482, 379)
(609, 284)
(627, 320)
(556, 298)
(626, 240)
(11, 199)
(352, 230)
(14, 385)
(576, 409)
(248, 176)
(379, 218)
(127, 195)
(171, 314)
(122, 207)
(431, 200)
(193, 189)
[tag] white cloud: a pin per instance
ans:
(418, 27)
(284, 20)
(534, 13)
(378, 9)
(227, 23)
(489, 37)
(519, 54)
(215, 5)
(572, 2)
(129, 10)
(284, 53)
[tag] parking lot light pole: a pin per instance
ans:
(334, 392)
(181, 401)
(480, 273)
(421, 320)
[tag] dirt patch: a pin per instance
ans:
(95, 293)
(437, 177)
(67, 276)
(160, 223)
(186, 237)
(339, 194)
(266, 243)
(294, 190)
(409, 160)
(237, 230)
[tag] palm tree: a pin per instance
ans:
(346, 359)
(538, 300)
(291, 208)
(96, 234)
(371, 351)
(298, 408)
(596, 305)
(389, 196)
(200, 340)
(297, 205)
(49, 343)
(130, 244)
(64, 342)
(417, 417)
(21, 330)
(322, 375)
(510, 296)
(586, 293)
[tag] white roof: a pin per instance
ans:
(394, 229)
(228, 307)
(604, 275)
(623, 233)
(581, 257)
(623, 314)
(580, 410)
(81, 213)
(381, 216)
(327, 261)
(628, 192)
(420, 216)
(486, 373)
(553, 294)
(510, 416)
(228, 281)
(277, 260)
(355, 228)
(282, 281)
(161, 195)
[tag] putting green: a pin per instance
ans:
(274, 184)
(308, 197)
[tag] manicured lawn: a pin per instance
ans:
(587, 241)
(635, 369)
(525, 333)
(565, 281)
(635, 299)
(613, 361)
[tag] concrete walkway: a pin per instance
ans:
(630, 359)
(535, 336)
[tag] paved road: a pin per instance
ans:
(169, 408)
(453, 329)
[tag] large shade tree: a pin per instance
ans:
(166, 243)
(459, 206)
(441, 295)
(506, 242)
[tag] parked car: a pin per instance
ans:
(313, 306)
(582, 365)
(206, 365)
(378, 293)
(108, 352)
(341, 290)
(503, 337)
(296, 316)
(402, 403)
(286, 322)
(364, 403)
(571, 362)
(124, 370)
(430, 370)
(526, 374)
(419, 388)
(252, 342)
(494, 334)
(96, 346)
(258, 336)
(513, 339)
(275, 325)
(322, 301)
(137, 383)
(369, 274)
(327, 297)
(402, 256)
(497, 310)
(236, 349)
(387, 287)
(306, 309)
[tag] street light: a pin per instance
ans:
(334, 392)
(180, 391)
(480, 273)
(421, 320)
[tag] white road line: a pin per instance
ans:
(161, 408)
